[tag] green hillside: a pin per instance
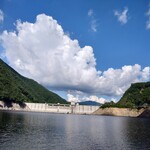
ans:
(136, 96)
(16, 88)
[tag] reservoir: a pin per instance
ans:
(47, 131)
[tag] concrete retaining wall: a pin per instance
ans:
(55, 108)
(84, 109)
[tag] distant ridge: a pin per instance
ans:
(92, 103)
(16, 88)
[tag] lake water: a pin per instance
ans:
(45, 131)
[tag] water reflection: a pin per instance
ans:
(60, 131)
(137, 133)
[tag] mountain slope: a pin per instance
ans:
(16, 88)
(137, 95)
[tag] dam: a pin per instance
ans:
(52, 108)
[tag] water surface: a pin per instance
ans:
(45, 131)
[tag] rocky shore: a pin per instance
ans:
(128, 112)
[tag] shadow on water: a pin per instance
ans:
(137, 133)
(145, 114)
(11, 123)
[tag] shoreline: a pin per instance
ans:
(123, 112)
(77, 109)
(24, 111)
(132, 113)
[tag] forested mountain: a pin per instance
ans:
(16, 88)
(138, 95)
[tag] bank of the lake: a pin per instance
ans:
(128, 112)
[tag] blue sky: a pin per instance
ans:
(117, 31)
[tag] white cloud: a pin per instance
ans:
(90, 13)
(42, 51)
(94, 25)
(148, 21)
(1, 16)
(93, 21)
(72, 98)
(76, 96)
(79, 98)
(122, 16)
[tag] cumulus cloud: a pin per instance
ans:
(1, 16)
(79, 98)
(93, 21)
(120, 79)
(43, 51)
(148, 21)
(122, 16)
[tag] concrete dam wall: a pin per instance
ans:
(53, 108)
(62, 108)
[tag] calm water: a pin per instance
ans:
(44, 131)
